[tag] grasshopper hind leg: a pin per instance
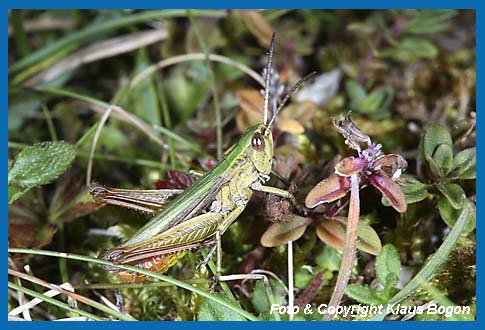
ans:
(210, 254)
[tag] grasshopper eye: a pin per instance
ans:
(257, 142)
(111, 255)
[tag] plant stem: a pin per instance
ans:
(348, 257)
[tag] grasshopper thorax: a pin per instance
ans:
(260, 147)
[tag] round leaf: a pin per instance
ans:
(438, 150)
(332, 233)
(282, 232)
(454, 194)
(413, 189)
(450, 215)
(465, 163)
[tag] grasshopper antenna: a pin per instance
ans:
(288, 95)
(267, 78)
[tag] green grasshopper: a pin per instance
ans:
(199, 215)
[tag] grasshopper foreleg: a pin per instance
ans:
(280, 193)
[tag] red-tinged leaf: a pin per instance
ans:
(280, 233)
(350, 165)
(332, 233)
(328, 190)
(390, 190)
(176, 180)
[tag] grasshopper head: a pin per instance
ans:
(112, 255)
(260, 148)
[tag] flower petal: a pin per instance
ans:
(390, 190)
(328, 190)
(392, 164)
(350, 165)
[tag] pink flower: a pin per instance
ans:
(371, 165)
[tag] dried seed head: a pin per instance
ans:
(354, 137)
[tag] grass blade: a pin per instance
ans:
(160, 277)
(92, 30)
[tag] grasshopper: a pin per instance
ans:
(199, 215)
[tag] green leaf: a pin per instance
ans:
(260, 296)
(368, 240)
(430, 21)
(355, 91)
(388, 262)
(464, 164)
(449, 215)
(414, 190)
(432, 263)
(364, 294)
(303, 277)
(40, 164)
(14, 192)
(212, 311)
(390, 288)
(328, 259)
(454, 193)
(438, 150)
(186, 86)
(372, 102)
(418, 47)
